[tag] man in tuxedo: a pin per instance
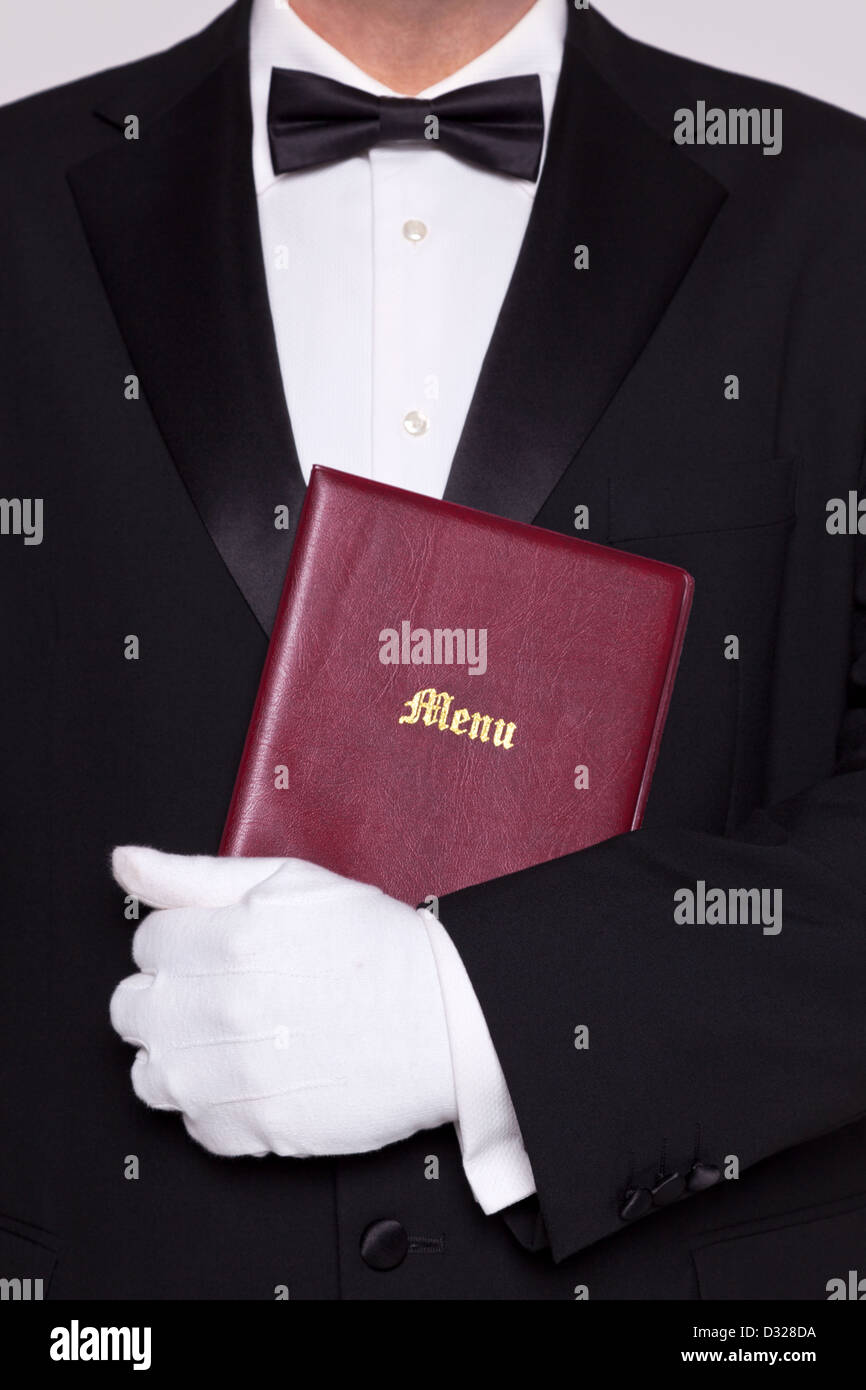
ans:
(222, 268)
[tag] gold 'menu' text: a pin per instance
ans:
(434, 707)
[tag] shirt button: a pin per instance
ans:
(415, 423)
(413, 230)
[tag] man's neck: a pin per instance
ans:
(411, 44)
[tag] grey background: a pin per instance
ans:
(816, 48)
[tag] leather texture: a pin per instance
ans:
(582, 647)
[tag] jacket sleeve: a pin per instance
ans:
(704, 1042)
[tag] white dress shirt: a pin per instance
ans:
(386, 273)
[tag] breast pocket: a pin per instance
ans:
(728, 523)
(701, 498)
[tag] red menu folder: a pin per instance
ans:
(449, 696)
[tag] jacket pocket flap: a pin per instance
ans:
(812, 1256)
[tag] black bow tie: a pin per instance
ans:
(312, 120)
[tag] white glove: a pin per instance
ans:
(281, 1008)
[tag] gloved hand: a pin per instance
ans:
(280, 1007)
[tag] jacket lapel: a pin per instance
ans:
(172, 222)
(566, 338)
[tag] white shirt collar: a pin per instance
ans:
(279, 39)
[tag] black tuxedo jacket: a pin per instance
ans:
(720, 1046)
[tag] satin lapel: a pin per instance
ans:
(172, 223)
(566, 337)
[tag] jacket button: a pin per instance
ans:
(384, 1245)
(668, 1190)
(702, 1176)
(637, 1203)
